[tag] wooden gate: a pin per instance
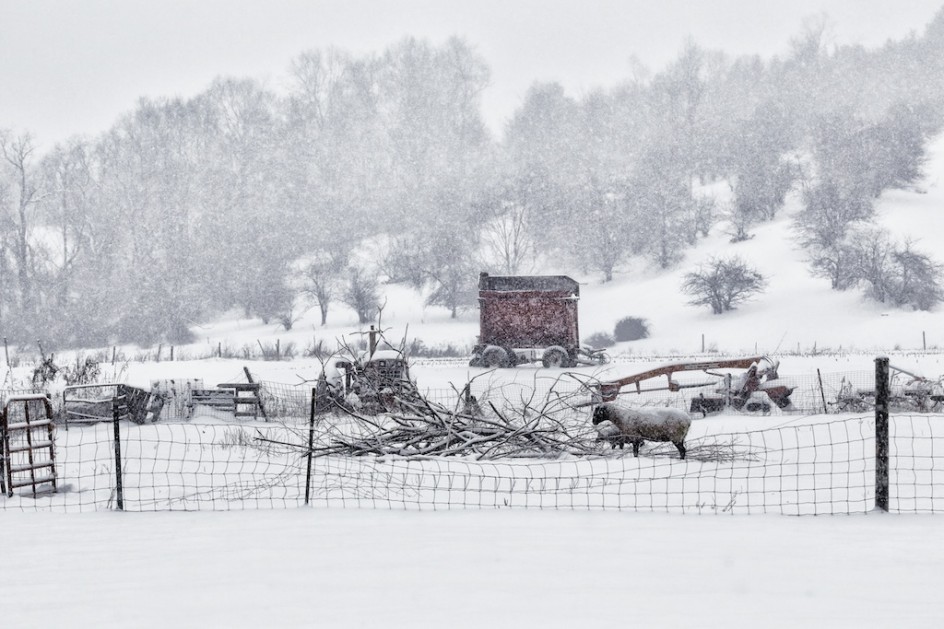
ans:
(27, 451)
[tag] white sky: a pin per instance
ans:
(73, 67)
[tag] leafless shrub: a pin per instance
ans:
(722, 284)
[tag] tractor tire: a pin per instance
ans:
(757, 407)
(555, 358)
(512, 360)
(494, 357)
(783, 402)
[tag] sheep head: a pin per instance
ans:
(601, 414)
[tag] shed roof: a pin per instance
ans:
(556, 283)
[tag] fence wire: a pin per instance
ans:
(813, 393)
(193, 457)
(822, 468)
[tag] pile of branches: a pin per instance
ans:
(419, 427)
(538, 427)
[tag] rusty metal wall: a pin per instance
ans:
(528, 319)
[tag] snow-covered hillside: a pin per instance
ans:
(797, 311)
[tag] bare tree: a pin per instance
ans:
(15, 224)
(722, 284)
(68, 178)
(361, 293)
(506, 237)
(323, 276)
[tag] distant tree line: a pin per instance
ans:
(262, 200)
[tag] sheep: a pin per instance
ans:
(610, 433)
(637, 425)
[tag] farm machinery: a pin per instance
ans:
(752, 390)
(908, 392)
(372, 380)
(529, 319)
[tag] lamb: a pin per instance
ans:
(651, 424)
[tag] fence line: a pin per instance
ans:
(826, 468)
(799, 467)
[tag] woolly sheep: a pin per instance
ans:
(650, 424)
(611, 434)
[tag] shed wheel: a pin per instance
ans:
(494, 356)
(554, 357)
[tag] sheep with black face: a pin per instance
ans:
(636, 425)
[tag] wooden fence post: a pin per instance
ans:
(822, 393)
(116, 415)
(881, 433)
(311, 443)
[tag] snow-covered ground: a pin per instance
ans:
(363, 568)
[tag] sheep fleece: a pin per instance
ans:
(650, 424)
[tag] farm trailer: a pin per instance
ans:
(530, 318)
(752, 390)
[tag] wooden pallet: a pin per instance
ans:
(247, 402)
(242, 399)
(28, 447)
(218, 399)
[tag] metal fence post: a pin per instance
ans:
(881, 433)
(3, 450)
(115, 417)
(311, 444)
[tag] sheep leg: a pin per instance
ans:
(681, 448)
(636, 445)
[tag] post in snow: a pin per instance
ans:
(881, 432)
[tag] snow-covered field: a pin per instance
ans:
(364, 568)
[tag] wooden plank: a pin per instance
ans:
(28, 425)
(33, 482)
(37, 445)
(26, 467)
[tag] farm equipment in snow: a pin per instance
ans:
(529, 319)
(752, 390)
(370, 381)
(908, 392)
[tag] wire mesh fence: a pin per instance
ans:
(813, 393)
(776, 471)
(195, 457)
(820, 468)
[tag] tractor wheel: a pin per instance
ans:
(494, 357)
(512, 360)
(782, 402)
(555, 357)
(757, 407)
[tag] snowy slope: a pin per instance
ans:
(796, 311)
